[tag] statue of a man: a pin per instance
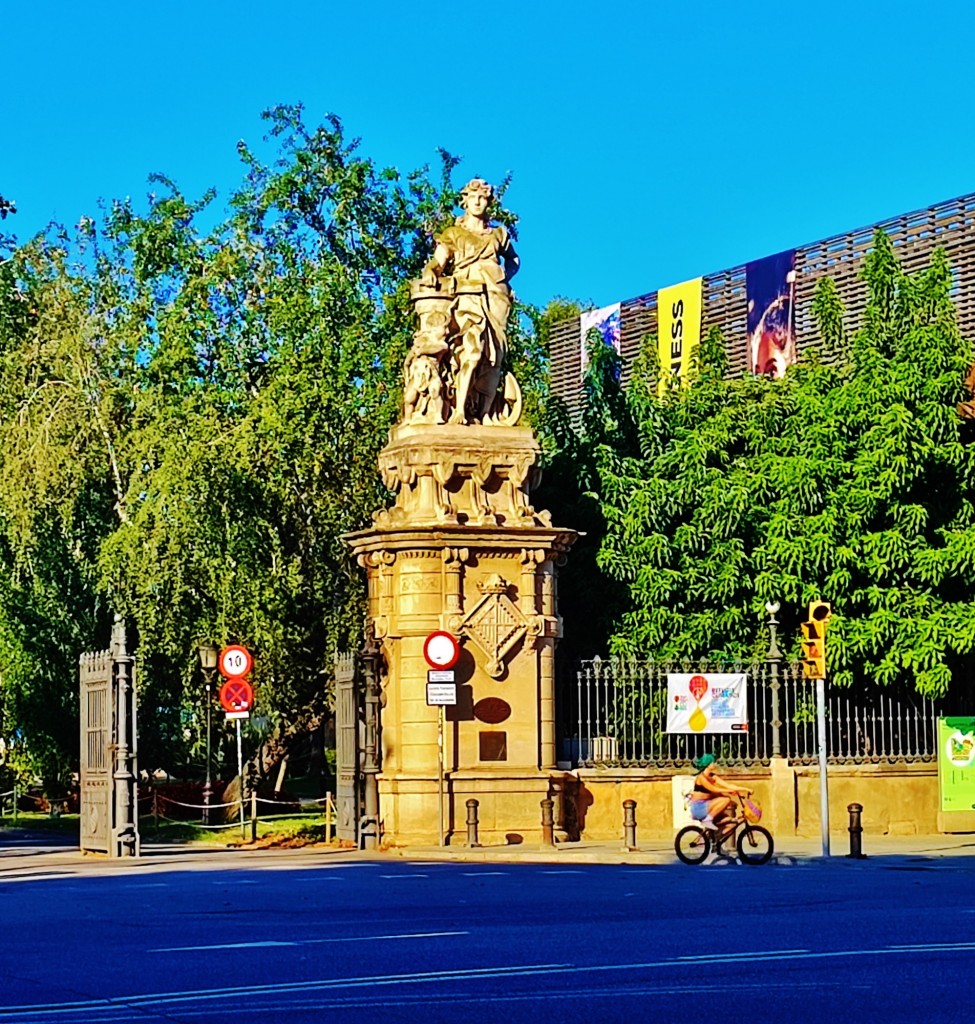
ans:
(480, 258)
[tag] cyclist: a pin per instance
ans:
(711, 796)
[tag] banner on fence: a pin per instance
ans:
(702, 702)
(956, 763)
(771, 288)
(607, 322)
(678, 330)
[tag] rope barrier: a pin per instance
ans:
(199, 807)
(322, 805)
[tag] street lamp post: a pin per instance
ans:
(773, 657)
(208, 662)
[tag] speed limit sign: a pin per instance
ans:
(235, 661)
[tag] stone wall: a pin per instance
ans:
(897, 799)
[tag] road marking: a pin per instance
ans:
(564, 871)
(483, 874)
(150, 999)
(722, 957)
(377, 938)
(17, 1013)
(303, 942)
(222, 945)
(147, 885)
(403, 876)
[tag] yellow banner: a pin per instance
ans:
(678, 329)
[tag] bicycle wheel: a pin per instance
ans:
(692, 844)
(755, 845)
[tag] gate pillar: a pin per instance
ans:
(109, 750)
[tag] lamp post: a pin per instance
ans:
(208, 662)
(773, 658)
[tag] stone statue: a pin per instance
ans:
(462, 301)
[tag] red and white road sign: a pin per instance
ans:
(441, 650)
(237, 695)
(235, 661)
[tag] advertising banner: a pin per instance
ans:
(703, 702)
(607, 322)
(678, 329)
(771, 287)
(956, 763)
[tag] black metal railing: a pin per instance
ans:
(615, 711)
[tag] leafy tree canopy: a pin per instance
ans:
(850, 482)
(189, 421)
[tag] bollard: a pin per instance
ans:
(548, 822)
(472, 823)
(856, 832)
(629, 825)
(253, 815)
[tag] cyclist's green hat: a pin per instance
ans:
(703, 761)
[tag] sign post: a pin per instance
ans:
(814, 667)
(823, 783)
(237, 699)
(441, 652)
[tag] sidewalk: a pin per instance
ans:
(21, 860)
(788, 851)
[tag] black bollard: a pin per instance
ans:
(548, 822)
(472, 823)
(629, 825)
(856, 832)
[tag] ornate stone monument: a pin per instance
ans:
(463, 550)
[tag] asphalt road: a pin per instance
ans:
(333, 940)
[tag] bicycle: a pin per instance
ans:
(753, 843)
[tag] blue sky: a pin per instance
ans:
(649, 142)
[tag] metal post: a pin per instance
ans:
(240, 777)
(856, 832)
(773, 657)
(548, 822)
(440, 718)
(328, 816)
(208, 785)
(823, 782)
(369, 826)
(472, 823)
(629, 825)
(124, 834)
(253, 815)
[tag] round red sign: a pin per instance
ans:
(235, 661)
(441, 650)
(237, 695)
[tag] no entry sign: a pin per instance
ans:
(236, 695)
(441, 650)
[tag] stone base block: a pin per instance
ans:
(956, 821)
(509, 807)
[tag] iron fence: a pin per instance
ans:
(615, 715)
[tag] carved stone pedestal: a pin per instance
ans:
(462, 550)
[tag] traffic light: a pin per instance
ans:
(814, 640)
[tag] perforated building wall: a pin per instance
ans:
(950, 225)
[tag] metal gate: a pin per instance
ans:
(109, 766)
(357, 753)
(348, 788)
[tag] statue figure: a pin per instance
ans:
(463, 300)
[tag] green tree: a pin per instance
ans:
(850, 482)
(189, 421)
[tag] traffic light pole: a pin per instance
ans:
(823, 786)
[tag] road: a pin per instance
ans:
(338, 939)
